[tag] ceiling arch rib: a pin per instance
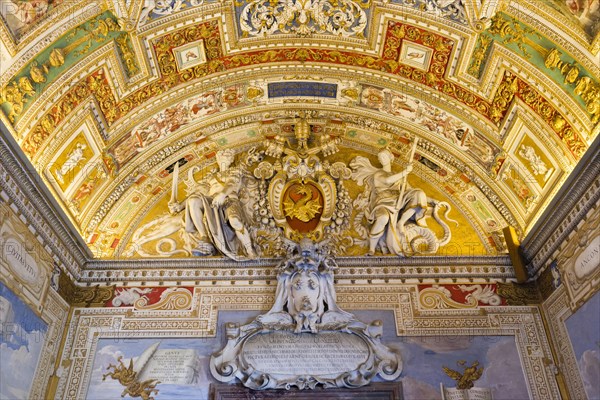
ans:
(394, 125)
(139, 95)
(503, 107)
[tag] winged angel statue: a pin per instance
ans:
(394, 212)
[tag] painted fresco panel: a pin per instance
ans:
(585, 12)
(21, 16)
(423, 357)
(453, 10)
(71, 161)
(21, 342)
(156, 10)
(584, 331)
(345, 18)
(430, 118)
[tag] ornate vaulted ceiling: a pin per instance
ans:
(105, 98)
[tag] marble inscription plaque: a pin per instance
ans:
(287, 353)
(171, 366)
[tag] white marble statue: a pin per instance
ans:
(387, 209)
(214, 215)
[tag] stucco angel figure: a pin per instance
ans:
(305, 297)
(388, 210)
(214, 214)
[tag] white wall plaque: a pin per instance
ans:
(288, 353)
(169, 366)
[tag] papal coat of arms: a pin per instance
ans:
(302, 194)
(302, 202)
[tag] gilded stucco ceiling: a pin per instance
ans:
(105, 98)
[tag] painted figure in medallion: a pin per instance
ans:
(387, 209)
(536, 163)
(73, 159)
(214, 215)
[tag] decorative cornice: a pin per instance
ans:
(350, 268)
(520, 294)
(568, 208)
(22, 186)
(222, 262)
(93, 296)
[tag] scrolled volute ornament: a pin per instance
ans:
(264, 170)
(339, 170)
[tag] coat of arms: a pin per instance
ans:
(302, 202)
(302, 194)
